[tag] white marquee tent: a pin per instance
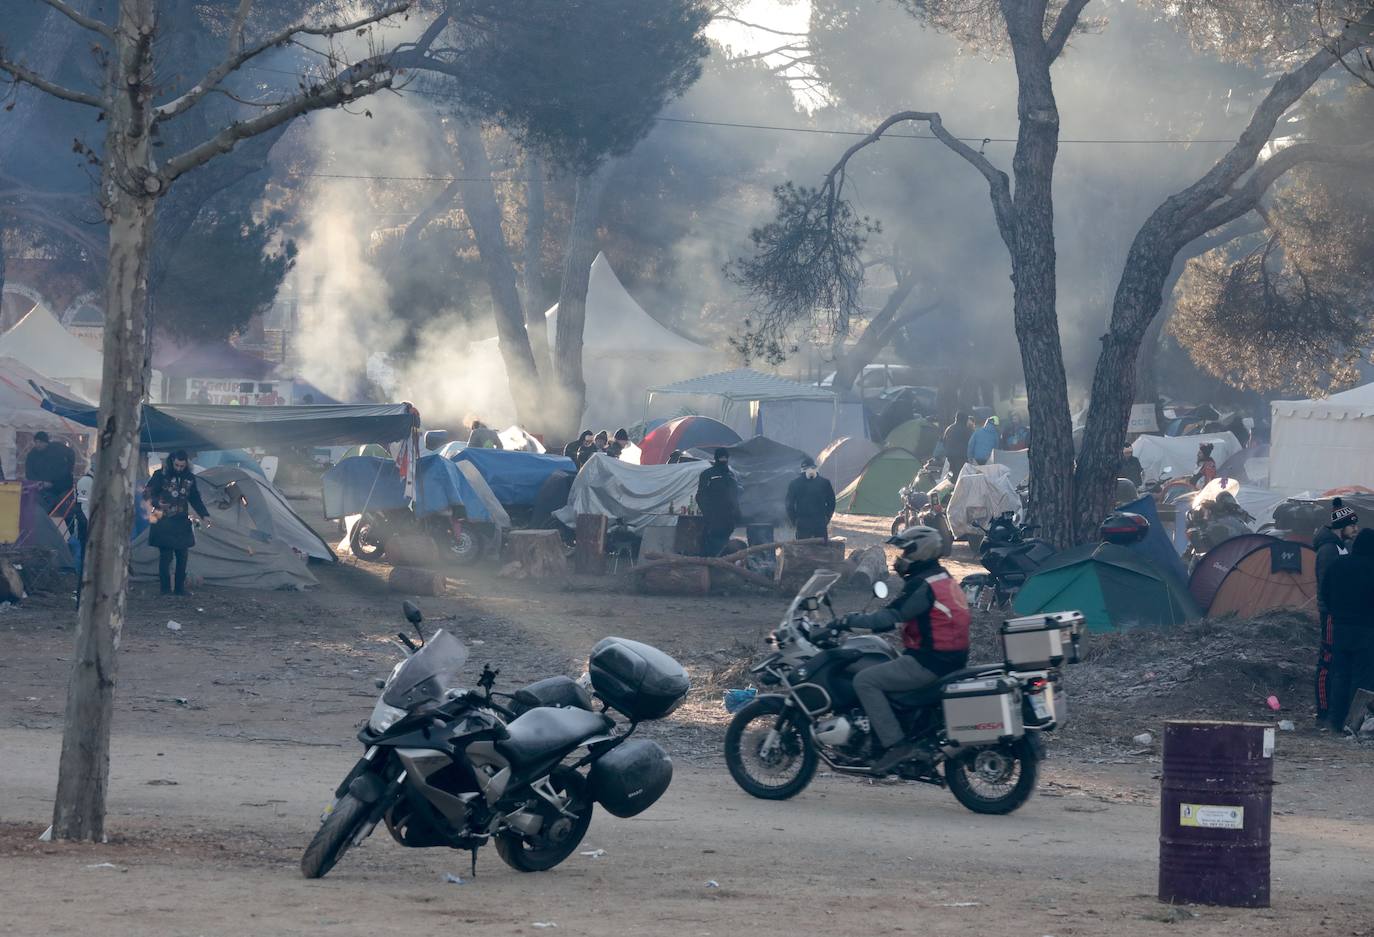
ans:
(43, 343)
(624, 352)
(1323, 444)
(22, 415)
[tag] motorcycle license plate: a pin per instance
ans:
(1041, 708)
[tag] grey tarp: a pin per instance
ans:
(809, 425)
(639, 495)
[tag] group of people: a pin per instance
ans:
(588, 444)
(1345, 606)
(963, 442)
(810, 502)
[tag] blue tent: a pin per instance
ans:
(368, 483)
(515, 477)
(1157, 547)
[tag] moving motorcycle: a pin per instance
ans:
(1010, 555)
(980, 727)
(449, 766)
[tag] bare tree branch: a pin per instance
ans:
(243, 55)
(236, 27)
(81, 19)
(21, 75)
(759, 26)
(1064, 27)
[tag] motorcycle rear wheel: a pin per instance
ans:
(334, 837)
(366, 540)
(899, 524)
(994, 781)
(796, 748)
(543, 852)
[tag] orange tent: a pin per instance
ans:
(1254, 585)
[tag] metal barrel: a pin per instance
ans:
(1214, 813)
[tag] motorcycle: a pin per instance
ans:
(1010, 555)
(449, 766)
(914, 502)
(980, 729)
(461, 541)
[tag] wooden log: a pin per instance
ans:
(589, 555)
(868, 566)
(651, 562)
(413, 581)
(797, 561)
(675, 579)
(690, 535)
(11, 583)
(539, 553)
(413, 550)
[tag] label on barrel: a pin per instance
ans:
(1268, 743)
(1211, 817)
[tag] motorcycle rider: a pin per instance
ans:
(935, 631)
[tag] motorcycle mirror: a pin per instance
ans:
(412, 612)
(880, 589)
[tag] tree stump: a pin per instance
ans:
(797, 561)
(413, 550)
(412, 581)
(589, 555)
(675, 580)
(539, 553)
(11, 583)
(690, 535)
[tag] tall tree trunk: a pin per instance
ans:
(129, 197)
(532, 279)
(571, 396)
(1034, 273)
(484, 214)
(876, 336)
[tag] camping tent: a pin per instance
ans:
(1253, 573)
(845, 458)
(1113, 587)
(40, 342)
(876, 490)
(255, 541)
(623, 350)
(743, 398)
(1179, 453)
(1158, 545)
(1320, 444)
(514, 477)
(765, 469)
(919, 437)
(639, 495)
(685, 432)
(21, 415)
(1250, 466)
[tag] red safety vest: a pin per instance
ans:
(945, 626)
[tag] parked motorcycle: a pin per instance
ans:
(455, 767)
(914, 501)
(979, 728)
(461, 541)
(1010, 555)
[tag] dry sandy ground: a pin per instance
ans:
(231, 734)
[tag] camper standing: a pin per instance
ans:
(718, 498)
(810, 503)
(1347, 593)
(1332, 541)
(171, 495)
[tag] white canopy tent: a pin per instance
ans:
(1323, 444)
(623, 350)
(43, 343)
(22, 414)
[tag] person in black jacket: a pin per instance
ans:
(171, 495)
(718, 499)
(51, 465)
(1347, 592)
(955, 438)
(1331, 543)
(584, 440)
(810, 502)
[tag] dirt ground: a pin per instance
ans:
(231, 733)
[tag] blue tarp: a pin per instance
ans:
(1157, 546)
(515, 477)
(367, 483)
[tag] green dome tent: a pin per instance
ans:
(875, 491)
(1115, 588)
(918, 437)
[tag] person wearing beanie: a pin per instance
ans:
(810, 502)
(618, 444)
(718, 499)
(1206, 465)
(1347, 593)
(1331, 542)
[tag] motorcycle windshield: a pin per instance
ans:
(427, 674)
(821, 582)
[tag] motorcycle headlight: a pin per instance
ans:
(384, 717)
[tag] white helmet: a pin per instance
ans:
(918, 545)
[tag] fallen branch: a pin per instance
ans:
(658, 561)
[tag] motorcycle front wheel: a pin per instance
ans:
(994, 780)
(769, 751)
(366, 540)
(559, 836)
(334, 837)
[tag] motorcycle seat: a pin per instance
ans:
(930, 695)
(546, 732)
